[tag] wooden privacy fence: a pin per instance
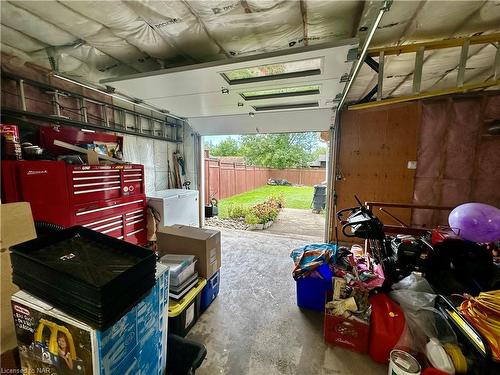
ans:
(223, 180)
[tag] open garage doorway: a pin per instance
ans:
(274, 183)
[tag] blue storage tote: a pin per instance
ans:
(210, 291)
(311, 291)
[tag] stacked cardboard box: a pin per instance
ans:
(180, 246)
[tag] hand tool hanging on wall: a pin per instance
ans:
(180, 161)
(170, 182)
(177, 175)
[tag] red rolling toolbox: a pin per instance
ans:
(107, 198)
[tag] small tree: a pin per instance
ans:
(288, 150)
(227, 147)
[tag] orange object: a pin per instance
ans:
(386, 326)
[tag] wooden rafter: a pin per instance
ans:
(439, 44)
(425, 95)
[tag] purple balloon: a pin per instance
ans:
(476, 222)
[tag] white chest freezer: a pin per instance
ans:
(176, 206)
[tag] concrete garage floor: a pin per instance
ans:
(255, 327)
(295, 222)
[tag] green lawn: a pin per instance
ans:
(295, 197)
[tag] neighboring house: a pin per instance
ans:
(320, 162)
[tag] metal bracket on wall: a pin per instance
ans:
(87, 120)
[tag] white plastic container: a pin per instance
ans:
(181, 267)
(403, 363)
(438, 357)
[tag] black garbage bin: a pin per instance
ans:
(319, 198)
(184, 356)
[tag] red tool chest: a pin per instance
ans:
(107, 198)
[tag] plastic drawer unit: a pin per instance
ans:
(183, 314)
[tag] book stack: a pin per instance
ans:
(183, 276)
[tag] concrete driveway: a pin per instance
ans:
(298, 223)
(255, 327)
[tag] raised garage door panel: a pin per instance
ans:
(375, 147)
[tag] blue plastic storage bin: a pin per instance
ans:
(210, 291)
(311, 291)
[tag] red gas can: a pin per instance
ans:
(386, 326)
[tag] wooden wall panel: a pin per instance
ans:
(375, 147)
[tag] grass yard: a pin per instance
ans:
(295, 197)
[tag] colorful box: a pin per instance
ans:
(349, 333)
(51, 341)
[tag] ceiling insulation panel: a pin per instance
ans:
(102, 39)
(175, 22)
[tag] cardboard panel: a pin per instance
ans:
(16, 226)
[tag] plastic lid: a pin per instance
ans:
(438, 357)
(405, 361)
(175, 308)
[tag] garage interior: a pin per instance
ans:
(107, 264)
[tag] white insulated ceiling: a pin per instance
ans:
(95, 40)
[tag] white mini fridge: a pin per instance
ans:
(176, 206)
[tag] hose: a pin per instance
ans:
(483, 312)
(45, 227)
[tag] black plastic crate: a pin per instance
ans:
(87, 274)
(96, 315)
(22, 267)
(183, 314)
(100, 318)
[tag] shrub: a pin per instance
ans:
(279, 199)
(251, 218)
(266, 211)
(237, 211)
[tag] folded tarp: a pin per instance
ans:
(308, 258)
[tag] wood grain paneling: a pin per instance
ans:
(375, 147)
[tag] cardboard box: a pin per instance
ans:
(203, 243)
(16, 226)
(135, 344)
